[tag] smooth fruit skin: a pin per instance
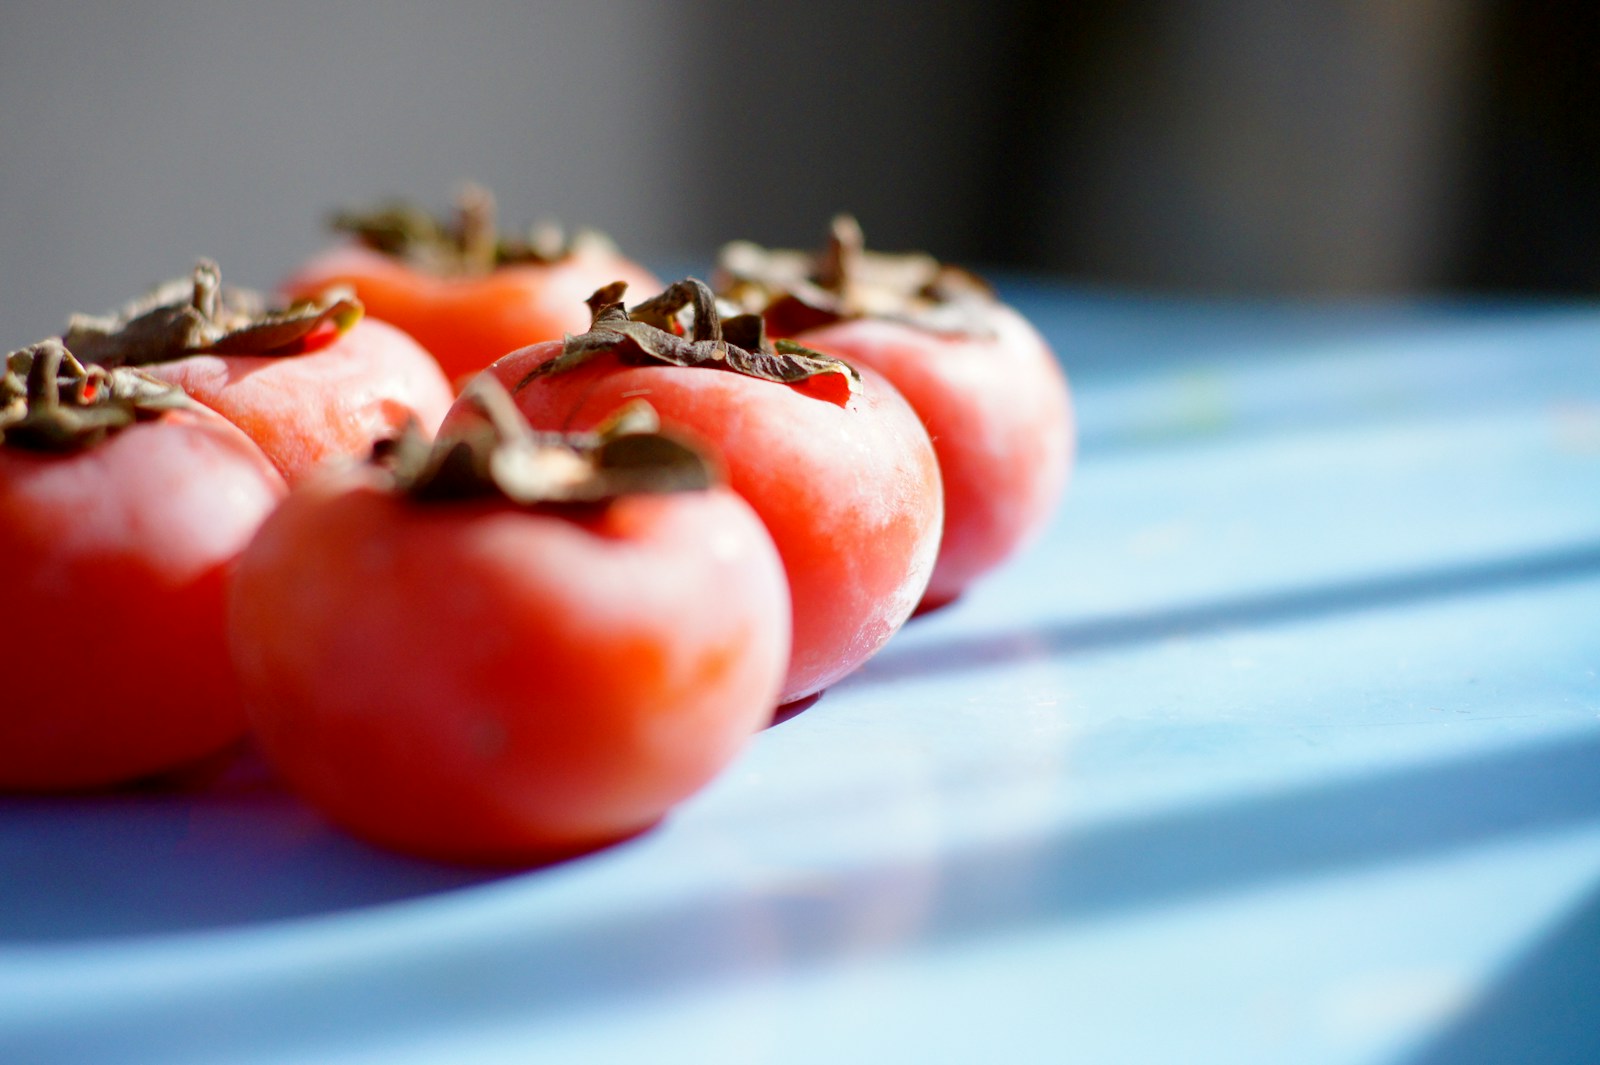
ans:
(850, 494)
(998, 410)
(333, 402)
(116, 561)
(468, 322)
(481, 683)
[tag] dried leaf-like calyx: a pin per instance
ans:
(468, 243)
(496, 454)
(654, 332)
(197, 314)
(51, 401)
(797, 290)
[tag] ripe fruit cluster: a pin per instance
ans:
(522, 621)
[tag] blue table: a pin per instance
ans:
(1284, 746)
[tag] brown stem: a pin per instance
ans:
(44, 385)
(207, 289)
(841, 260)
(661, 310)
(476, 235)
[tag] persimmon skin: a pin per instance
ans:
(482, 683)
(334, 401)
(999, 412)
(849, 493)
(114, 631)
(467, 322)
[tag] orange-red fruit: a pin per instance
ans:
(998, 410)
(331, 402)
(466, 322)
(116, 560)
(850, 493)
(480, 682)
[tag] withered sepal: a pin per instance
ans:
(51, 401)
(196, 314)
(655, 332)
(494, 453)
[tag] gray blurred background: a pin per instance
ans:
(1246, 147)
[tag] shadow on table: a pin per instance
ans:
(235, 850)
(525, 971)
(1045, 640)
(106, 865)
(242, 851)
(1544, 1011)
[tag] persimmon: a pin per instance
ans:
(465, 292)
(308, 382)
(510, 646)
(986, 385)
(123, 507)
(833, 460)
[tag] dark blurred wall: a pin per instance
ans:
(1535, 162)
(1259, 146)
(898, 111)
(1230, 146)
(1235, 145)
(1241, 146)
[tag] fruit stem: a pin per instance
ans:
(476, 236)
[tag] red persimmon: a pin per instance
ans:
(309, 382)
(464, 292)
(123, 506)
(984, 382)
(509, 647)
(834, 462)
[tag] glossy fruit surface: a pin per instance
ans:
(116, 560)
(847, 485)
(332, 402)
(477, 680)
(984, 382)
(997, 408)
(309, 382)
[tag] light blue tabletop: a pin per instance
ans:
(1282, 747)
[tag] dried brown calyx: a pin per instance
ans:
(493, 453)
(51, 401)
(656, 331)
(197, 314)
(798, 290)
(467, 243)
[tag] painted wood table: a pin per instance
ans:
(1283, 746)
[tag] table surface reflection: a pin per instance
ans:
(1282, 746)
